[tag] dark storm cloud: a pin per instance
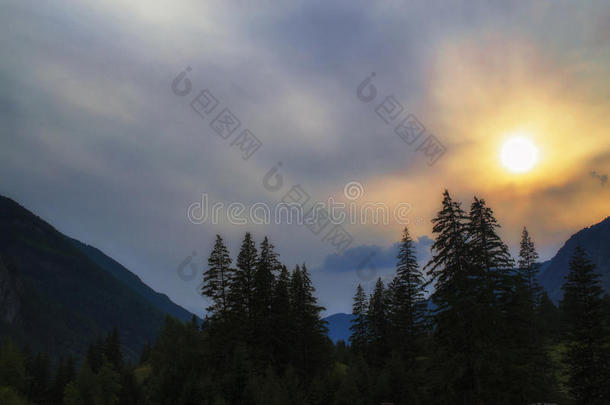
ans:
(377, 256)
(94, 141)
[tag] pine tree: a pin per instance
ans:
(359, 322)
(282, 319)
(528, 366)
(66, 373)
(311, 348)
(85, 389)
(39, 371)
(448, 263)
(112, 349)
(528, 266)
(487, 250)
(108, 382)
(217, 278)
(145, 354)
(377, 320)
(587, 356)
(242, 284)
(459, 346)
(406, 300)
(12, 367)
(548, 318)
(511, 352)
(489, 256)
(130, 392)
(95, 355)
(264, 281)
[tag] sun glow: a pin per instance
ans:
(519, 154)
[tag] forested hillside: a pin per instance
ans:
(57, 294)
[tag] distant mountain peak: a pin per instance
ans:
(595, 240)
(338, 326)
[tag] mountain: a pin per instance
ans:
(338, 327)
(595, 240)
(57, 294)
(160, 301)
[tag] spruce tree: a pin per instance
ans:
(528, 365)
(448, 263)
(85, 389)
(457, 327)
(109, 383)
(548, 318)
(406, 300)
(282, 322)
(377, 320)
(528, 266)
(39, 371)
(242, 283)
(264, 278)
(112, 350)
(66, 373)
(130, 392)
(311, 343)
(95, 355)
(359, 323)
(12, 367)
(587, 356)
(264, 281)
(217, 278)
(512, 358)
(487, 252)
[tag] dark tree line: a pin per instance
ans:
(490, 334)
(262, 342)
(102, 378)
(471, 327)
(587, 345)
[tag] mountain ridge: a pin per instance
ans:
(161, 300)
(338, 326)
(58, 299)
(595, 240)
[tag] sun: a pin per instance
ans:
(519, 154)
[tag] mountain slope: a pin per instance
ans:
(160, 301)
(596, 242)
(338, 327)
(58, 299)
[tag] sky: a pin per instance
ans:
(102, 137)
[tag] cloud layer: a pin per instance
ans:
(94, 140)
